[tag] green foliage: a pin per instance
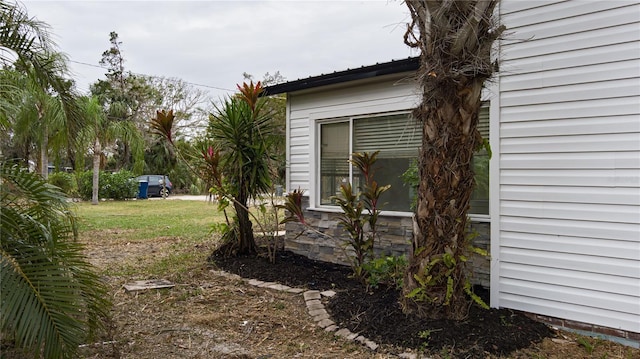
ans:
(194, 189)
(293, 207)
(411, 178)
(586, 344)
(426, 336)
(65, 181)
(120, 185)
(50, 299)
(387, 270)
(359, 215)
(430, 278)
(360, 210)
(238, 163)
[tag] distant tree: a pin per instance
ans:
(187, 102)
(38, 123)
(100, 132)
(455, 40)
(121, 95)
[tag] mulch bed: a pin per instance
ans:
(377, 315)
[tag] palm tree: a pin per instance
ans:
(49, 297)
(240, 129)
(100, 132)
(25, 43)
(455, 39)
(35, 117)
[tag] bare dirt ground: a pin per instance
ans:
(207, 315)
(211, 315)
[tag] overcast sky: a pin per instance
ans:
(213, 42)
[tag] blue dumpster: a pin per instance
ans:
(143, 186)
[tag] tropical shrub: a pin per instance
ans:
(360, 211)
(119, 185)
(65, 181)
(387, 270)
(51, 301)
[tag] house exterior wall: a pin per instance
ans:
(381, 95)
(391, 93)
(566, 237)
(565, 172)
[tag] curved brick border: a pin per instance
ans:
(315, 308)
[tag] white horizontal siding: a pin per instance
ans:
(569, 162)
(574, 75)
(600, 282)
(576, 126)
(571, 194)
(573, 28)
(379, 96)
(554, 308)
(594, 212)
(574, 92)
(620, 106)
(571, 177)
(574, 228)
(577, 143)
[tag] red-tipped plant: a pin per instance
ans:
(162, 125)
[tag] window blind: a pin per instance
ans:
(393, 136)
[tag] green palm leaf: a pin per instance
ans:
(49, 296)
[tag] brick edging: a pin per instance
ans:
(315, 309)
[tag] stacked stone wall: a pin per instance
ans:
(325, 241)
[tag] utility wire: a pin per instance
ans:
(139, 74)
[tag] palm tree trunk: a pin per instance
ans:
(455, 40)
(44, 144)
(444, 193)
(97, 151)
(246, 241)
(44, 158)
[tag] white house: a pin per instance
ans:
(562, 204)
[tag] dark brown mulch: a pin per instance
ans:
(376, 314)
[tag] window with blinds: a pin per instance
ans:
(398, 138)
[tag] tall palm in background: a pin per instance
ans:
(455, 39)
(50, 300)
(37, 120)
(101, 131)
(25, 43)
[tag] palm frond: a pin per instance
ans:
(49, 295)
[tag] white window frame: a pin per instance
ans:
(318, 119)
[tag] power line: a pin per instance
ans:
(139, 74)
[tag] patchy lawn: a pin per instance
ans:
(209, 314)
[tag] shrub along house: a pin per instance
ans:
(559, 201)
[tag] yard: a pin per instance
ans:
(210, 314)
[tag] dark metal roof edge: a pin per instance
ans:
(364, 72)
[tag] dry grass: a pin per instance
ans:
(209, 314)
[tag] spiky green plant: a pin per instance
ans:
(50, 299)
